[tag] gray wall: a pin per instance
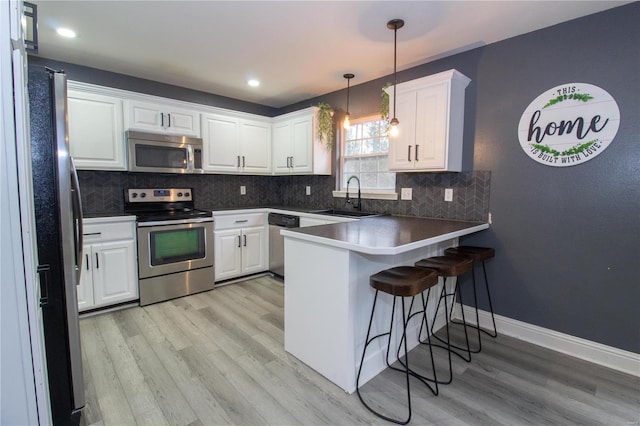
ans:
(566, 238)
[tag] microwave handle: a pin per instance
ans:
(190, 159)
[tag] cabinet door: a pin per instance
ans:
(227, 254)
(143, 116)
(182, 122)
(255, 147)
(96, 132)
(302, 144)
(430, 124)
(282, 147)
(162, 118)
(254, 251)
(84, 289)
(220, 138)
(401, 147)
(114, 272)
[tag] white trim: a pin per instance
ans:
(377, 195)
(607, 356)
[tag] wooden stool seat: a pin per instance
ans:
(405, 281)
(447, 266)
(478, 254)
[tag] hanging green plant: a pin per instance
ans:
(384, 106)
(325, 124)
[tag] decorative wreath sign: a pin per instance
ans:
(569, 124)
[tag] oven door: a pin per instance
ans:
(174, 246)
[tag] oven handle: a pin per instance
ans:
(174, 222)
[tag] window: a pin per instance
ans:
(364, 153)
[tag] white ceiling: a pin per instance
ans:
(297, 49)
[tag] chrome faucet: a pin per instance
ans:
(359, 205)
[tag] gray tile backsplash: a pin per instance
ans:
(103, 192)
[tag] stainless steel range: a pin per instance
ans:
(175, 243)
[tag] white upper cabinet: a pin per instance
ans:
(296, 147)
(234, 144)
(96, 132)
(162, 118)
(431, 115)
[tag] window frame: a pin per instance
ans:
(375, 194)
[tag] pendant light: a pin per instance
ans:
(347, 117)
(394, 24)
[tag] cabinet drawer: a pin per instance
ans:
(239, 220)
(108, 231)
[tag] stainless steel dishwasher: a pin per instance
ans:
(277, 221)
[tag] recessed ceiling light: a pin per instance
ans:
(253, 83)
(66, 32)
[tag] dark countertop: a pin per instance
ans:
(385, 234)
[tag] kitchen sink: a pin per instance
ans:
(347, 213)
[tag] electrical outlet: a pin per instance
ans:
(308, 190)
(406, 193)
(448, 194)
(243, 190)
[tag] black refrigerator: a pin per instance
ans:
(58, 213)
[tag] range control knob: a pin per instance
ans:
(142, 195)
(186, 194)
(179, 194)
(134, 195)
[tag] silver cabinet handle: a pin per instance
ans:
(162, 119)
(238, 161)
(417, 152)
(245, 240)
(243, 162)
(86, 256)
(97, 262)
(409, 153)
(292, 162)
(242, 221)
(239, 241)
(169, 120)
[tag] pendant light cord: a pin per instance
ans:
(395, 60)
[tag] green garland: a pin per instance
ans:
(576, 149)
(584, 97)
(384, 106)
(325, 124)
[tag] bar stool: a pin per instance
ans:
(449, 267)
(400, 282)
(478, 254)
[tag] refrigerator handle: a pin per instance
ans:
(76, 202)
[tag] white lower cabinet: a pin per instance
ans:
(240, 244)
(109, 272)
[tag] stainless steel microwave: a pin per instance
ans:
(151, 152)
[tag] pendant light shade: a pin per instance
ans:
(394, 25)
(347, 117)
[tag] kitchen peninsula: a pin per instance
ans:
(327, 294)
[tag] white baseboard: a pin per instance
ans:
(617, 359)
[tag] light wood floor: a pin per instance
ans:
(218, 358)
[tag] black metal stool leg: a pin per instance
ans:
(464, 322)
(450, 347)
(364, 351)
(493, 319)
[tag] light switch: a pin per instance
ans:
(243, 190)
(406, 193)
